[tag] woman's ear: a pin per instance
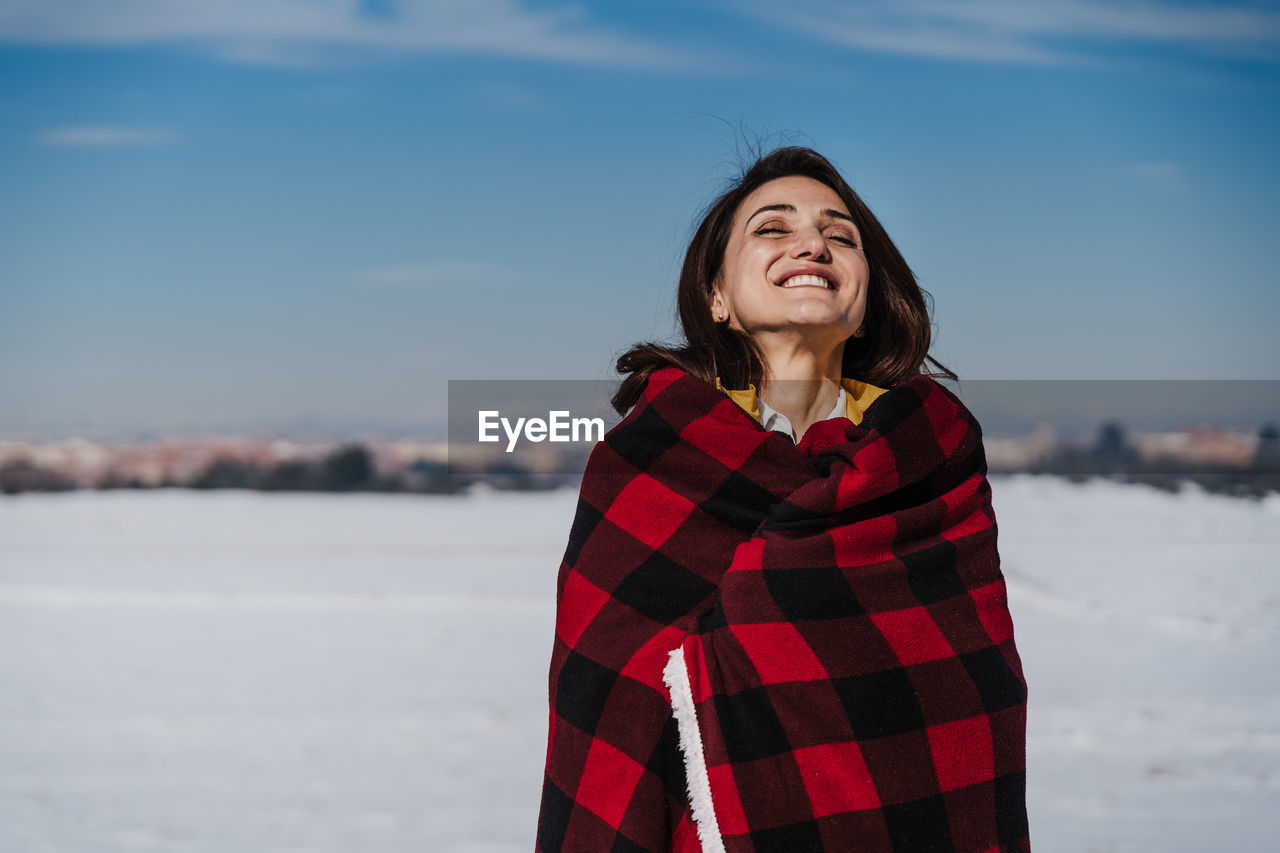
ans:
(719, 310)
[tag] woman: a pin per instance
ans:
(781, 622)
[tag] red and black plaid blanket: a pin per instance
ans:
(828, 620)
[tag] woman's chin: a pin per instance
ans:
(819, 319)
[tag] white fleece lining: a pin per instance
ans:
(676, 676)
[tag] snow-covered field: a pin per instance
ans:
(238, 671)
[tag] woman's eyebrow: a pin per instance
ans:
(785, 208)
(791, 208)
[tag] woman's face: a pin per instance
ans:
(793, 264)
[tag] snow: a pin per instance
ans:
(1148, 626)
(241, 671)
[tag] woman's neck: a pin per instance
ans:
(802, 384)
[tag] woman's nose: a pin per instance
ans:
(809, 243)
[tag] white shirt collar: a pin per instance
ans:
(772, 419)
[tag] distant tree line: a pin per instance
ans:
(349, 468)
(23, 475)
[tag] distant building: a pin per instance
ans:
(1018, 453)
(1200, 446)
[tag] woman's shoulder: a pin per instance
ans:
(671, 388)
(943, 404)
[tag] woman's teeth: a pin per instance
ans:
(808, 281)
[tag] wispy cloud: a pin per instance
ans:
(1045, 32)
(933, 41)
(297, 32)
(430, 274)
(105, 136)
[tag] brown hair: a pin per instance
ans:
(898, 333)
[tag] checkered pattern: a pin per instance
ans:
(840, 612)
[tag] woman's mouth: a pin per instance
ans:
(807, 280)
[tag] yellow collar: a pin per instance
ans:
(858, 396)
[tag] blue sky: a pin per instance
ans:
(302, 215)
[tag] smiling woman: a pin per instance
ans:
(781, 622)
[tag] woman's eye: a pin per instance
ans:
(765, 230)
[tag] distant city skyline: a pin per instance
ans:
(307, 218)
